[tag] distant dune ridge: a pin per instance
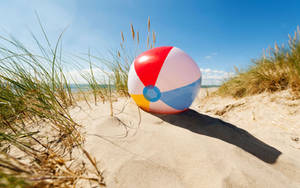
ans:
(219, 142)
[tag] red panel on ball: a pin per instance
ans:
(149, 63)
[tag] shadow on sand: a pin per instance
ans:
(216, 128)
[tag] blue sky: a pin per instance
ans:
(218, 34)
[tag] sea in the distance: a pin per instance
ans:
(85, 87)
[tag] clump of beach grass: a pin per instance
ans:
(37, 133)
(278, 69)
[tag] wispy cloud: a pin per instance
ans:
(81, 76)
(214, 77)
(211, 55)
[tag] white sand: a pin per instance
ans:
(220, 142)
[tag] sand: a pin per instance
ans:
(219, 142)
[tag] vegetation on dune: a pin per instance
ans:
(10, 181)
(278, 69)
(37, 133)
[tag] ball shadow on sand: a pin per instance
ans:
(216, 128)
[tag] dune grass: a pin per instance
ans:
(37, 133)
(278, 69)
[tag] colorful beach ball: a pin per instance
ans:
(164, 80)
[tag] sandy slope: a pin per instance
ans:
(220, 142)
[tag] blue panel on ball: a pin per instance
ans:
(181, 98)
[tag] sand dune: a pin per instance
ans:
(219, 142)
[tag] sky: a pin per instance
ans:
(218, 34)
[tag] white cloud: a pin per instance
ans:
(214, 77)
(206, 70)
(218, 71)
(211, 55)
(78, 76)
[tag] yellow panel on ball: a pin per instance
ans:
(141, 101)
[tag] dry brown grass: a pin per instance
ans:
(278, 69)
(37, 134)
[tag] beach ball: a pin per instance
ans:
(164, 80)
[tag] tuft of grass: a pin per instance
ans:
(34, 100)
(278, 69)
(10, 181)
(35, 96)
